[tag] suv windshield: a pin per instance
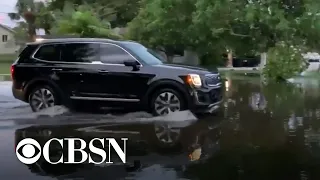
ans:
(147, 55)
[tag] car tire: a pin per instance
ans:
(172, 101)
(42, 97)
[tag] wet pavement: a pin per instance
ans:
(262, 132)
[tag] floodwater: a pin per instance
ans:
(262, 133)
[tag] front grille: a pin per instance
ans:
(216, 95)
(212, 79)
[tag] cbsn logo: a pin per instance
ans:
(28, 153)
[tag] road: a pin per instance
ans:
(264, 132)
(13, 110)
(15, 115)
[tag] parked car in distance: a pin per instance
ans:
(112, 73)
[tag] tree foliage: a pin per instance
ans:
(41, 15)
(118, 12)
(82, 21)
(284, 61)
(35, 14)
(165, 24)
(207, 26)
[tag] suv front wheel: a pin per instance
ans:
(42, 97)
(165, 101)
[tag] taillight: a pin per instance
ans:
(12, 71)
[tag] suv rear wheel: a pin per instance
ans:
(42, 97)
(165, 101)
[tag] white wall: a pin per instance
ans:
(8, 47)
(313, 66)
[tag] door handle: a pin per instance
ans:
(54, 69)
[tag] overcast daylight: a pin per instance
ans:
(160, 90)
(6, 7)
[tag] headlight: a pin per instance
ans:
(194, 79)
(195, 155)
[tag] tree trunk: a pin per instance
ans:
(230, 59)
(263, 60)
(32, 32)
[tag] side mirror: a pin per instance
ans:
(130, 63)
(134, 64)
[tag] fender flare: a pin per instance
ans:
(33, 83)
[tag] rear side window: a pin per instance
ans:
(26, 53)
(80, 52)
(49, 53)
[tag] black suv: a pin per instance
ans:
(118, 73)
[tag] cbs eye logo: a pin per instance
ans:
(28, 151)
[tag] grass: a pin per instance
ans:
(5, 62)
(5, 68)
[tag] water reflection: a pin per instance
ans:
(265, 132)
(280, 142)
(164, 143)
(257, 101)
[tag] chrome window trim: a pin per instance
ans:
(94, 62)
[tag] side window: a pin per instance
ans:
(49, 53)
(111, 54)
(80, 52)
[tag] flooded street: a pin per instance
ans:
(262, 132)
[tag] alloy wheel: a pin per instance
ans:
(166, 102)
(41, 99)
(167, 134)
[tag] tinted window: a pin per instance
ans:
(26, 53)
(113, 54)
(80, 52)
(156, 54)
(48, 53)
(144, 54)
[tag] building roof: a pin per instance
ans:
(6, 28)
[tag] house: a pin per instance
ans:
(7, 42)
(313, 59)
